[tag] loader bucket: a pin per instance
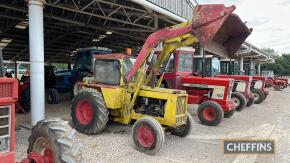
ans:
(219, 30)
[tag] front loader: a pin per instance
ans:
(119, 90)
(210, 93)
(51, 141)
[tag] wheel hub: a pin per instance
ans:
(256, 96)
(42, 150)
(145, 136)
(209, 114)
(84, 112)
(236, 101)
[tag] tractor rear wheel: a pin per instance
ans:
(250, 102)
(258, 96)
(52, 96)
(240, 100)
(54, 140)
(210, 113)
(230, 113)
(148, 135)
(89, 112)
(184, 130)
(25, 101)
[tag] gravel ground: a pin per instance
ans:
(271, 119)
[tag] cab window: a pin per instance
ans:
(185, 63)
(107, 71)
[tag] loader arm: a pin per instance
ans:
(216, 27)
(169, 46)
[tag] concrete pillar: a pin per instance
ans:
(15, 69)
(36, 46)
(252, 67)
(259, 69)
(241, 66)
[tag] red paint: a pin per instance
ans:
(244, 78)
(196, 95)
(84, 112)
(49, 156)
(209, 114)
(9, 85)
(145, 136)
(211, 23)
(111, 56)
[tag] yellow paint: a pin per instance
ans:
(113, 97)
(121, 99)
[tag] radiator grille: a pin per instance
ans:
(181, 106)
(5, 128)
(6, 89)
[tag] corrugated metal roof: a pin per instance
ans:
(178, 7)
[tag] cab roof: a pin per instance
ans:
(111, 56)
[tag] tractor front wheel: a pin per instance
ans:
(250, 102)
(240, 100)
(148, 135)
(184, 130)
(89, 112)
(52, 96)
(258, 96)
(210, 113)
(54, 140)
(230, 113)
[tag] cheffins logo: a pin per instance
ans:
(249, 146)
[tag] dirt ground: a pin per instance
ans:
(271, 119)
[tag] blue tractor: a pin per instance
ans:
(66, 81)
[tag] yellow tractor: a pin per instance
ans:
(118, 90)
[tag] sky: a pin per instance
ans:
(270, 20)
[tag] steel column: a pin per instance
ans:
(36, 46)
(241, 65)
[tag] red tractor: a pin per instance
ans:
(277, 82)
(213, 95)
(257, 86)
(51, 140)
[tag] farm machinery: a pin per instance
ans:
(257, 86)
(65, 81)
(51, 140)
(276, 82)
(120, 91)
(211, 94)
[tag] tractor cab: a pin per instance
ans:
(211, 67)
(65, 81)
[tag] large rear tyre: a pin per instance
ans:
(250, 102)
(148, 135)
(54, 139)
(184, 130)
(258, 96)
(89, 112)
(52, 96)
(230, 113)
(210, 113)
(240, 100)
(25, 101)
